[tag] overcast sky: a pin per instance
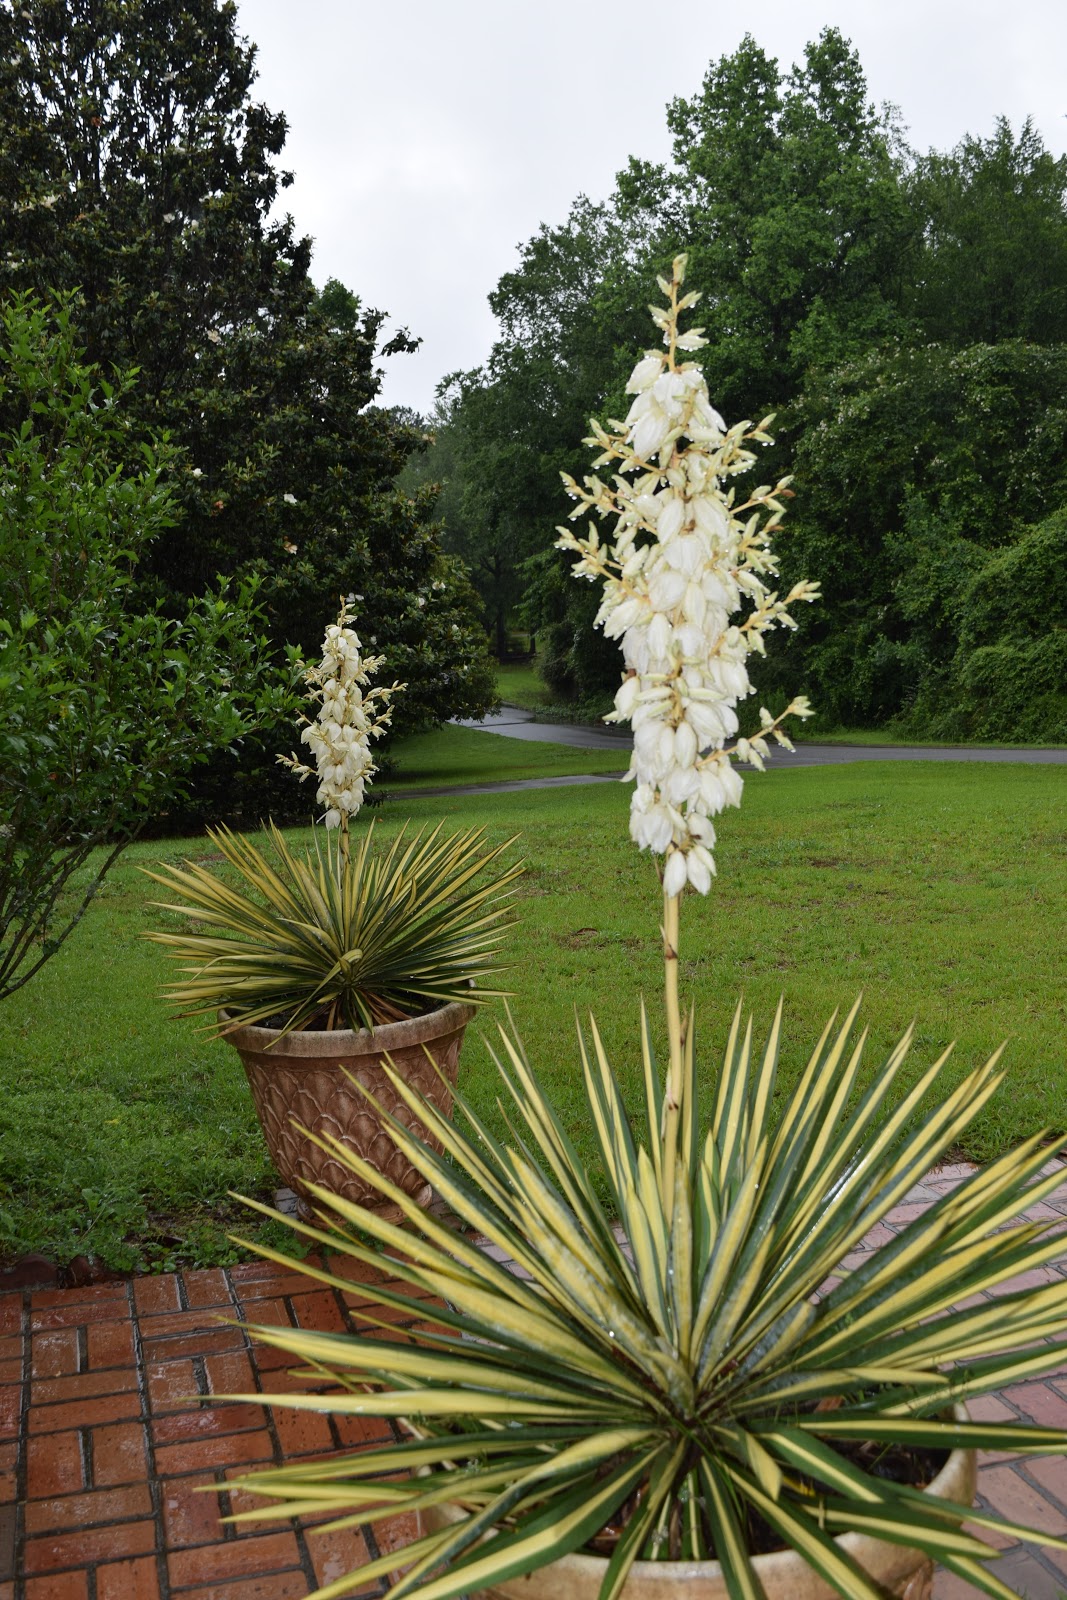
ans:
(430, 138)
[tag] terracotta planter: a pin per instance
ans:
(303, 1077)
(783, 1574)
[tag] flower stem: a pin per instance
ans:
(672, 1099)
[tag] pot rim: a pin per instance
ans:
(388, 1036)
(773, 1564)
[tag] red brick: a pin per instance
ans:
(206, 1423)
(1040, 1403)
(334, 1554)
(280, 1380)
(948, 1587)
(8, 1478)
(268, 1358)
(89, 1544)
(270, 1313)
(356, 1431)
(173, 1322)
(191, 1516)
(242, 1500)
(343, 1266)
(10, 1410)
(207, 1288)
(1025, 1574)
(153, 1295)
(230, 1373)
(128, 1580)
(194, 1344)
(11, 1312)
(1019, 1501)
(11, 1348)
(253, 1272)
(291, 1585)
(302, 1433)
(1051, 1473)
(171, 1385)
(200, 1455)
(88, 1294)
(318, 1311)
(53, 1355)
(990, 1408)
(64, 1316)
(61, 1586)
(1035, 1278)
(238, 1558)
(119, 1454)
(110, 1344)
(54, 1465)
(83, 1385)
(393, 1534)
(81, 1510)
(85, 1413)
(11, 1371)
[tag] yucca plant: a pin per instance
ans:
(693, 1366)
(690, 1359)
(340, 936)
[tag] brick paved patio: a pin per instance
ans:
(101, 1451)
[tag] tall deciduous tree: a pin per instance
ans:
(137, 168)
(994, 260)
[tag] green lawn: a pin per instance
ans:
(938, 889)
(451, 756)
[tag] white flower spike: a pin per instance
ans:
(684, 561)
(347, 721)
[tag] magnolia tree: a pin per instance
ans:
(346, 722)
(684, 556)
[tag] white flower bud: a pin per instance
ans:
(674, 874)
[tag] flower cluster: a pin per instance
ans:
(347, 720)
(683, 556)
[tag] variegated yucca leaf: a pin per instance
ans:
(352, 941)
(693, 1368)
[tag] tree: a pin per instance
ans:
(786, 191)
(914, 468)
(993, 264)
(136, 168)
(105, 708)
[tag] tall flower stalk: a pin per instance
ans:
(684, 556)
(349, 716)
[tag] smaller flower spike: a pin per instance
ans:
(347, 720)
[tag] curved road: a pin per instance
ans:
(514, 723)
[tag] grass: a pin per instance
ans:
(520, 684)
(452, 756)
(936, 888)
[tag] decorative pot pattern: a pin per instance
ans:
(896, 1569)
(303, 1078)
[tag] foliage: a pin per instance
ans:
(136, 168)
(338, 941)
(786, 191)
(105, 708)
(915, 466)
(854, 284)
(993, 264)
(1010, 669)
(703, 1379)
